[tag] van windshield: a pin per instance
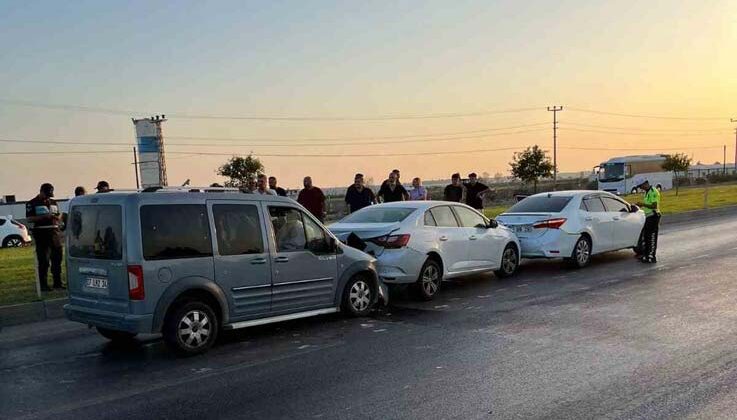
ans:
(95, 232)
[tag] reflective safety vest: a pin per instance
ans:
(652, 196)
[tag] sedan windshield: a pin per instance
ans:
(541, 204)
(379, 215)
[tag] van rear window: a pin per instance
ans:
(95, 232)
(175, 231)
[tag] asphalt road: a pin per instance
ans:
(616, 340)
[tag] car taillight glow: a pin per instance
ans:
(20, 225)
(136, 290)
(391, 241)
(550, 224)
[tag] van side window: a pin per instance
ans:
(289, 230)
(238, 229)
(317, 239)
(172, 231)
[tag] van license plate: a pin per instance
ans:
(96, 283)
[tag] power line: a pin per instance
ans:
(183, 115)
(661, 117)
(604, 127)
(584, 130)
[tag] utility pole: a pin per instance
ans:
(135, 167)
(724, 161)
(554, 109)
(734, 120)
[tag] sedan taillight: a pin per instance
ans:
(391, 241)
(550, 224)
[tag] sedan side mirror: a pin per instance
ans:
(634, 209)
(493, 224)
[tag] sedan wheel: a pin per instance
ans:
(510, 262)
(13, 242)
(581, 253)
(431, 277)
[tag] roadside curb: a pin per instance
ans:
(24, 313)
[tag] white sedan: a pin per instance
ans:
(424, 242)
(12, 233)
(574, 225)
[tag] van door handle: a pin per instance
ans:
(281, 259)
(443, 238)
(258, 261)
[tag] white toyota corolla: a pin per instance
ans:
(425, 242)
(574, 225)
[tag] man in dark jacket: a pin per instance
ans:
(358, 195)
(43, 212)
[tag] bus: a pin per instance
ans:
(615, 175)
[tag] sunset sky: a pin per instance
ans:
(351, 68)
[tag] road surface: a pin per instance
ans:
(616, 340)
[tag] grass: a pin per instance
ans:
(18, 275)
(17, 268)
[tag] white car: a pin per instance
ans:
(424, 242)
(574, 225)
(12, 233)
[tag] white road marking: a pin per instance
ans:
(441, 306)
(380, 330)
(523, 285)
(702, 256)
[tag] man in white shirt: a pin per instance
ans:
(262, 186)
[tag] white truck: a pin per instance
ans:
(615, 175)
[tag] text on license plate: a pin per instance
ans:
(96, 283)
(521, 229)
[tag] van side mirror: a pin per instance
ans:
(634, 209)
(333, 244)
(493, 224)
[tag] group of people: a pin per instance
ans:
(359, 195)
(47, 223)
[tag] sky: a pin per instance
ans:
(357, 70)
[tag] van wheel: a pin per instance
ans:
(115, 335)
(510, 262)
(428, 284)
(357, 296)
(191, 328)
(581, 256)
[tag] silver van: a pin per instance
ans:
(188, 263)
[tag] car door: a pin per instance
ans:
(242, 260)
(484, 247)
(305, 266)
(599, 223)
(627, 226)
(452, 240)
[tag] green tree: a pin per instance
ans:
(531, 165)
(240, 169)
(679, 162)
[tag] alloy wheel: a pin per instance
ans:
(430, 280)
(509, 260)
(360, 296)
(583, 252)
(194, 329)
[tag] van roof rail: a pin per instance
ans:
(191, 189)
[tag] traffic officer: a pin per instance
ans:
(43, 212)
(651, 206)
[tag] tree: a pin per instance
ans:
(676, 163)
(531, 165)
(240, 169)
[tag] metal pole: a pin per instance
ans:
(724, 161)
(135, 167)
(734, 120)
(554, 109)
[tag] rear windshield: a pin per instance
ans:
(175, 231)
(95, 232)
(379, 215)
(541, 204)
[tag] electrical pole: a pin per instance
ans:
(135, 167)
(554, 109)
(724, 161)
(734, 120)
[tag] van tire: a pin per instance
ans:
(191, 327)
(358, 296)
(116, 336)
(429, 281)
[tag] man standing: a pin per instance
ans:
(399, 181)
(475, 192)
(273, 187)
(454, 190)
(392, 190)
(262, 186)
(79, 191)
(312, 199)
(358, 196)
(103, 187)
(651, 206)
(43, 212)
(418, 192)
